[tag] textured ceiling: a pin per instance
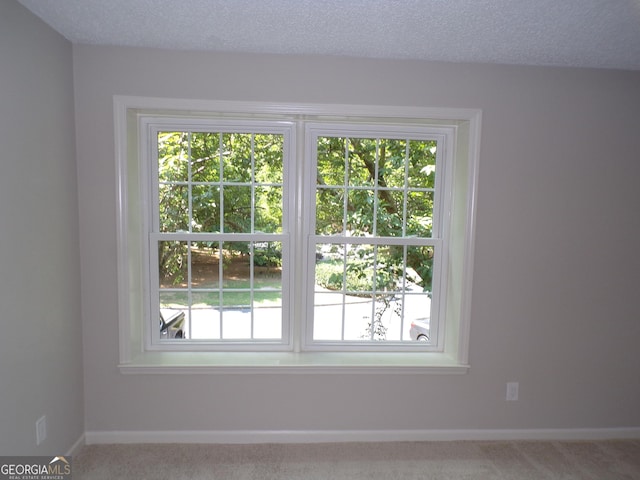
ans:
(582, 33)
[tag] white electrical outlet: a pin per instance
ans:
(512, 391)
(41, 429)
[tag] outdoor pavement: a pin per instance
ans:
(330, 309)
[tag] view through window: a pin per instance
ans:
(374, 242)
(219, 234)
(265, 234)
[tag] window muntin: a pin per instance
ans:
(378, 239)
(218, 242)
(376, 186)
(226, 295)
(377, 306)
(219, 182)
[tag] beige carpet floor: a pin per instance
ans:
(566, 460)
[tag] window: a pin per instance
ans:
(219, 247)
(377, 235)
(295, 231)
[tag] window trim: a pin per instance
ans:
(134, 358)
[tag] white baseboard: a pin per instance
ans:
(75, 448)
(323, 436)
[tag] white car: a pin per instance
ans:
(419, 330)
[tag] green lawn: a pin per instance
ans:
(235, 293)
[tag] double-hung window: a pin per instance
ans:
(304, 230)
(377, 238)
(219, 246)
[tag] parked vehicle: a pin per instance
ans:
(419, 330)
(172, 324)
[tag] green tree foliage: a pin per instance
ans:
(217, 182)
(210, 182)
(381, 187)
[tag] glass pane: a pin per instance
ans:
(174, 301)
(267, 263)
(357, 317)
(387, 319)
(268, 210)
(360, 212)
(422, 163)
(236, 315)
(237, 157)
(205, 316)
(173, 208)
(390, 213)
(417, 312)
(329, 270)
(392, 163)
(360, 277)
(420, 267)
(172, 323)
(205, 265)
(237, 209)
(173, 258)
(237, 301)
(267, 298)
(373, 269)
(420, 214)
(236, 266)
(362, 161)
(331, 161)
(327, 316)
(173, 156)
(205, 157)
(268, 158)
(206, 208)
(389, 268)
(375, 315)
(174, 311)
(329, 211)
(267, 315)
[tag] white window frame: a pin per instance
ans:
(150, 125)
(451, 356)
(444, 137)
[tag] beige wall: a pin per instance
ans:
(41, 336)
(556, 273)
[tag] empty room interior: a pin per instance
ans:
(530, 266)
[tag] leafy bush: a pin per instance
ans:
(359, 275)
(267, 257)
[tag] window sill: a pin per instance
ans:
(292, 363)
